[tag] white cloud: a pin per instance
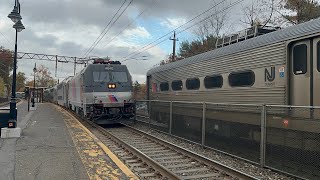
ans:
(69, 27)
(173, 23)
(139, 32)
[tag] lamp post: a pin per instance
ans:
(18, 26)
(34, 83)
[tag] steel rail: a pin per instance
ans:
(196, 143)
(156, 166)
(219, 166)
(160, 169)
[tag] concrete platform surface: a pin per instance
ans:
(54, 145)
(45, 149)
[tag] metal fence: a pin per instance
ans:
(284, 138)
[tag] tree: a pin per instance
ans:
(21, 79)
(195, 47)
(139, 91)
(213, 25)
(301, 10)
(43, 77)
(2, 88)
(260, 12)
(6, 64)
(136, 89)
(29, 83)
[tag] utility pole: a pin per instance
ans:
(75, 66)
(56, 64)
(174, 39)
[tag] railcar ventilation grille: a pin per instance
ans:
(244, 35)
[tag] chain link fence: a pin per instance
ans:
(284, 138)
(155, 113)
(293, 140)
(142, 111)
(234, 129)
(187, 120)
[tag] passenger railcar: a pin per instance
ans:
(101, 92)
(49, 95)
(62, 92)
(279, 68)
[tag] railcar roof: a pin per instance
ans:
(67, 79)
(304, 29)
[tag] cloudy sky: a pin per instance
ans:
(70, 27)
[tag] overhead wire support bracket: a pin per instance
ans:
(47, 57)
(53, 58)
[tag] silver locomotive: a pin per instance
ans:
(102, 92)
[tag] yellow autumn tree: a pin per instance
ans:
(2, 88)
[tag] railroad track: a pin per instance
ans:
(153, 158)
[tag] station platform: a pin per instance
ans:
(54, 145)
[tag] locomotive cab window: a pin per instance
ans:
(101, 76)
(241, 79)
(164, 86)
(318, 56)
(211, 82)
(119, 77)
(176, 85)
(300, 59)
(193, 84)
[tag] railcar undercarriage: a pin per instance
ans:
(100, 114)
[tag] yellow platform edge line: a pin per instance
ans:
(20, 102)
(112, 156)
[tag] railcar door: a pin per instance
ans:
(304, 73)
(316, 72)
(300, 82)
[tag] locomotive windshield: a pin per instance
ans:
(110, 76)
(101, 76)
(118, 77)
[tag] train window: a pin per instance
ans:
(318, 56)
(215, 81)
(300, 59)
(193, 84)
(176, 85)
(241, 79)
(164, 86)
(119, 77)
(101, 76)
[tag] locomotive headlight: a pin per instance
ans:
(111, 86)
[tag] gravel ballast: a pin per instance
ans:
(227, 160)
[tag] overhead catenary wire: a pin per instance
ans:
(126, 27)
(104, 28)
(88, 54)
(230, 6)
(151, 45)
(169, 33)
(111, 26)
(6, 39)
